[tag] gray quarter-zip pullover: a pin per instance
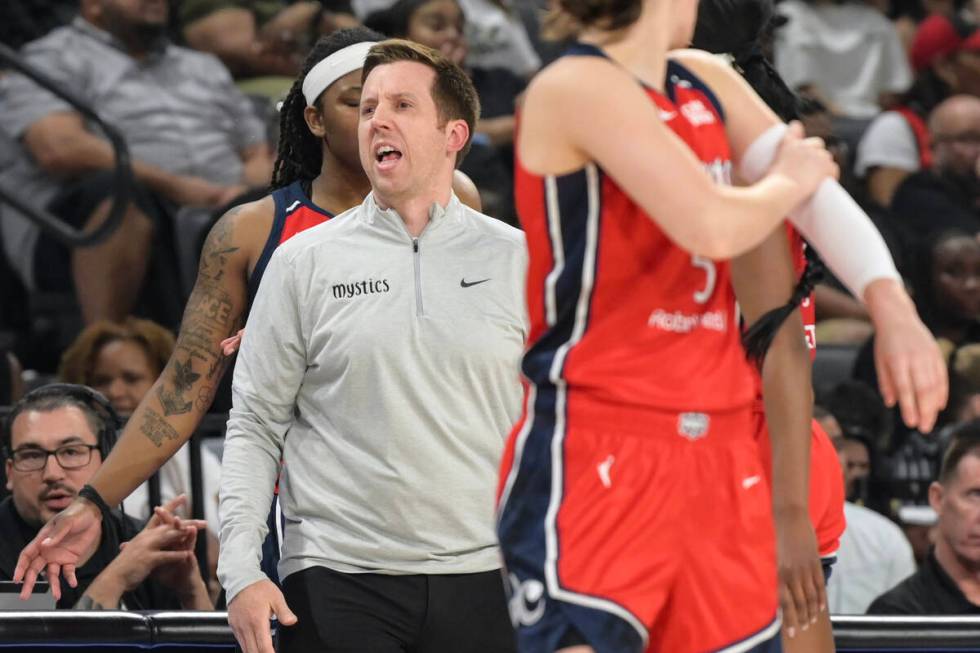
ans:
(384, 369)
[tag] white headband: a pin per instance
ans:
(329, 70)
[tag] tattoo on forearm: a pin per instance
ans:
(212, 314)
(156, 428)
(205, 397)
(88, 603)
(182, 379)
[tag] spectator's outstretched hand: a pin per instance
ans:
(249, 614)
(66, 542)
(911, 369)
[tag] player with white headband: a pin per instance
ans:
(318, 174)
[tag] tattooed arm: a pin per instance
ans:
(172, 410)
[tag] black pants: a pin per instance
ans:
(374, 613)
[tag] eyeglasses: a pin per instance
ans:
(70, 456)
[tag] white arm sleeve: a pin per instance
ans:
(830, 220)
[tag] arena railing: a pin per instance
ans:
(119, 631)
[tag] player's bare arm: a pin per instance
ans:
(910, 367)
(172, 410)
(764, 280)
(705, 218)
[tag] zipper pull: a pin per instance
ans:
(415, 245)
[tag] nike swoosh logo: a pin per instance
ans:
(463, 283)
(604, 468)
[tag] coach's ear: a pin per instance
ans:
(457, 135)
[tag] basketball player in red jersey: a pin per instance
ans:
(634, 513)
(633, 508)
(318, 174)
(736, 28)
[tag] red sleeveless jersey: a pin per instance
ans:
(808, 310)
(621, 315)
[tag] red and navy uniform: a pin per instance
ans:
(826, 494)
(295, 212)
(633, 511)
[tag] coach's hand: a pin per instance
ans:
(802, 595)
(249, 614)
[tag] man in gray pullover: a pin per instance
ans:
(381, 365)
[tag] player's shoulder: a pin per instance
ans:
(243, 229)
(264, 207)
(707, 66)
(582, 77)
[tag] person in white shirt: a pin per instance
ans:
(848, 53)
(873, 557)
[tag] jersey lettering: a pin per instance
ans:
(711, 278)
(526, 601)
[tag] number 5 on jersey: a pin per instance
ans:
(711, 277)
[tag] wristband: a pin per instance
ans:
(91, 494)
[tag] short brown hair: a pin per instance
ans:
(965, 442)
(567, 18)
(452, 90)
(78, 361)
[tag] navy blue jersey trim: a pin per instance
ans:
(284, 198)
(677, 73)
(571, 213)
(585, 50)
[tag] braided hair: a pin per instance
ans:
(740, 28)
(300, 154)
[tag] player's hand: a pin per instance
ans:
(230, 345)
(249, 614)
(62, 545)
(802, 595)
(804, 160)
(911, 369)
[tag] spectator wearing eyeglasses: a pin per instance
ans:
(948, 195)
(52, 449)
